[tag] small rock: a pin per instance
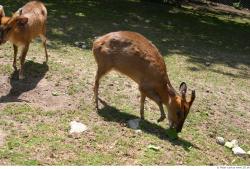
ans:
(232, 144)
(134, 123)
(207, 63)
(235, 143)
(248, 153)
(229, 145)
(164, 40)
(138, 131)
(83, 46)
(147, 21)
(238, 151)
(76, 127)
(220, 140)
(77, 43)
(125, 20)
(54, 93)
(153, 147)
(115, 24)
(80, 44)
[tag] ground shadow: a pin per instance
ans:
(33, 72)
(110, 113)
(196, 33)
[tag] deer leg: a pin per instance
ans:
(15, 55)
(44, 40)
(100, 72)
(154, 96)
(143, 97)
(22, 60)
(163, 115)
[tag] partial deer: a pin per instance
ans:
(20, 29)
(135, 56)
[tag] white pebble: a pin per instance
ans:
(228, 145)
(220, 140)
(238, 151)
(235, 143)
(76, 127)
(138, 131)
(134, 123)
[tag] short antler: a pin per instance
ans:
(192, 97)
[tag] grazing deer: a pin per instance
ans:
(133, 55)
(20, 29)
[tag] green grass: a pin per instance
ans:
(37, 130)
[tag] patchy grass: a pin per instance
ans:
(36, 123)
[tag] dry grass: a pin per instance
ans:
(36, 123)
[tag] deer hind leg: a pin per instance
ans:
(44, 40)
(101, 71)
(154, 96)
(143, 97)
(15, 55)
(22, 60)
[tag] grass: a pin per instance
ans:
(37, 123)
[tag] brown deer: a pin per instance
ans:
(20, 29)
(133, 55)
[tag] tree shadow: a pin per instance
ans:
(199, 34)
(110, 113)
(33, 72)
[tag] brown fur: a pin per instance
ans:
(25, 25)
(133, 55)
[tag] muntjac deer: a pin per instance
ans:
(133, 55)
(20, 29)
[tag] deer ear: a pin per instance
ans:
(21, 21)
(183, 89)
(2, 14)
(192, 97)
(20, 11)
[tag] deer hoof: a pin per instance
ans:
(161, 119)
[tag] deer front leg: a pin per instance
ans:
(22, 60)
(15, 55)
(154, 96)
(143, 97)
(163, 115)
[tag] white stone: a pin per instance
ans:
(153, 147)
(235, 143)
(164, 40)
(138, 131)
(238, 151)
(232, 144)
(84, 46)
(220, 140)
(76, 127)
(134, 123)
(228, 145)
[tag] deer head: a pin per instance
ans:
(179, 108)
